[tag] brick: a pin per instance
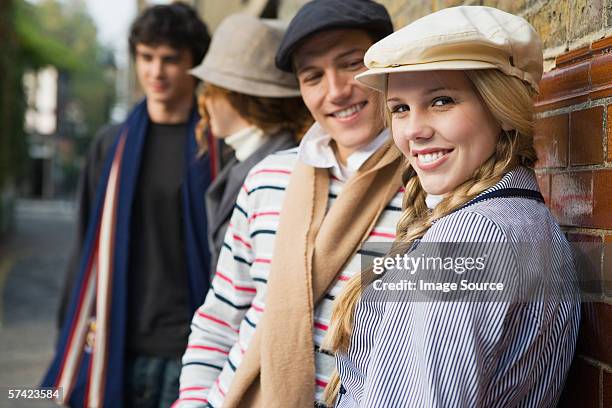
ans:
(573, 236)
(409, 12)
(587, 250)
(564, 86)
(595, 334)
(608, 12)
(401, 21)
(571, 198)
(607, 266)
(511, 6)
(551, 141)
(581, 387)
(544, 184)
(586, 130)
(582, 198)
(585, 17)
(607, 388)
(573, 56)
(551, 21)
(602, 201)
(601, 75)
(440, 4)
(450, 3)
(609, 132)
(394, 7)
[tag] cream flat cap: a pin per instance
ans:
(458, 38)
(241, 58)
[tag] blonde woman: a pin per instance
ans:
(458, 85)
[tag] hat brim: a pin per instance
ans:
(376, 78)
(197, 71)
(243, 85)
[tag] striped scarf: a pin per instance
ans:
(90, 371)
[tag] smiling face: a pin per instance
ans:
(442, 125)
(162, 73)
(326, 65)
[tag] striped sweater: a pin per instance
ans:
(509, 351)
(224, 325)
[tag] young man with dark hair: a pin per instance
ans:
(141, 263)
(177, 25)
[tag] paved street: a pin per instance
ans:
(32, 266)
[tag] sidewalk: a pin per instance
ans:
(32, 266)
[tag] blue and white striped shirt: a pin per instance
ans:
(501, 353)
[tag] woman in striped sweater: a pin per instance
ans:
(458, 85)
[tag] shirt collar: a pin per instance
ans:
(246, 141)
(315, 151)
(519, 177)
(432, 200)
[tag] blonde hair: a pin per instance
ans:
(269, 114)
(511, 103)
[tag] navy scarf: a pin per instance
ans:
(91, 372)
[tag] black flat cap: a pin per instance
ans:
(321, 15)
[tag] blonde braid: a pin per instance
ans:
(510, 101)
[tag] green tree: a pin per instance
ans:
(55, 33)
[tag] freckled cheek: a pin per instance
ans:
(472, 155)
(400, 136)
(457, 131)
(401, 143)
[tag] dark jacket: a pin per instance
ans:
(222, 193)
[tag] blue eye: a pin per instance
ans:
(400, 108)
(442, 101)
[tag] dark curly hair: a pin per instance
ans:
(177, 25)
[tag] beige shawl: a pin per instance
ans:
(310, 251)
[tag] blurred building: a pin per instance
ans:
(54, 124)
(42, 91)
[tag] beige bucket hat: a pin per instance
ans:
(458, 38)
(241, 58)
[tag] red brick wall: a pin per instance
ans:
(574, 143)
